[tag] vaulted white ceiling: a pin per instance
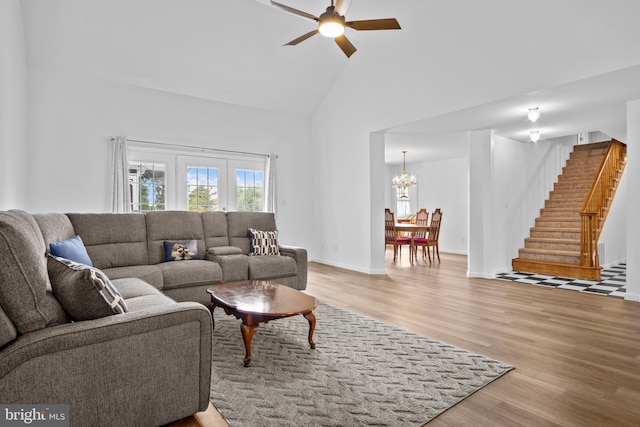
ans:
(231, 51)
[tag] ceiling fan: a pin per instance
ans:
(332, 23)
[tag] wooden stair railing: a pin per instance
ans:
(594, 210)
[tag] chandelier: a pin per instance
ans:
(404, 181)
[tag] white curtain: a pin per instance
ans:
(120, 193)
(270, 191)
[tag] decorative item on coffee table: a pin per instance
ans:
(256, 302)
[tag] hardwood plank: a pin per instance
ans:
(577, 356)
(208, 418)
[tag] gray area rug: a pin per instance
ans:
(362, 373)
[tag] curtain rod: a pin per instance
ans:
(193, 147)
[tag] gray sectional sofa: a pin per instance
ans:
(152, 364)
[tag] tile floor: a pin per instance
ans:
(612, 282)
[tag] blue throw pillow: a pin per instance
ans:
(180, 251)
(72, 249)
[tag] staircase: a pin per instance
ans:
(564, 240)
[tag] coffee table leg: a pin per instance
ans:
(312, 326)
(247, 336)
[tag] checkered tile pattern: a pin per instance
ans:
(612, 283)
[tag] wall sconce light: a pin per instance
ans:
(534, 135)
(533, 114)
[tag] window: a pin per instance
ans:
(166, 178)
(403, 203)
(147, 183)
(249, 190)
(202, 189)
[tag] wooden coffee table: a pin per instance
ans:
(255, 302)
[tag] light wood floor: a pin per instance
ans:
(577, 356)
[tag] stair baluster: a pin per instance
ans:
(593, 211)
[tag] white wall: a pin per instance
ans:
(614, 233)
(445, 185)
(72, 118)
(523, 175)
(633, 200)
(441, 184)
(13, 93)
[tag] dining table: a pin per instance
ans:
(413, 229)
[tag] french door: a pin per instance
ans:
(216, 184)
(202, 184)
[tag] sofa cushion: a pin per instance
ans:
(132, 287)
(215, 229)
(234, 267)
(85, 292)
(55, 227)
(224, 250)
(112, 239)
(23, 274)
(188, 273)
(194, 293)
(140, 295)
(180, 251)
(263, 242)
(8, 330)
(149, 273)
(271, 266)
(172, 226)
(144, 302)
(240, 222)
(72, 249)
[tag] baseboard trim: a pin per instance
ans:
(480, 275)
(349, 267)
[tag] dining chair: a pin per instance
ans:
(391, 234)
(434, 234)
(420, 238)
(411, 219)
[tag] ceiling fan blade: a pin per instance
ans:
(302, 38)
(342, 6)
(345, 45)
(374, 24)
(295, 11)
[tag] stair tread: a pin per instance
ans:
(558, 219)
(551, 240)
(556, 229)
(550, 251)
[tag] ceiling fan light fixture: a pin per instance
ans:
(331, 24)
(331, 29)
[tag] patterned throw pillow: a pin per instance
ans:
(264, 242)
(180, 251)
(85, 292)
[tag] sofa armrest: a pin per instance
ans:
(147, 367)
(300, 255)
